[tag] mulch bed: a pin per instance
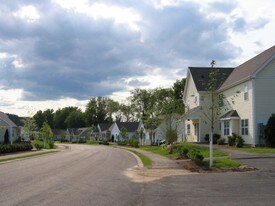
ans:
(193, 167)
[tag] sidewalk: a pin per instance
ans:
(260, 161)
(158, 162)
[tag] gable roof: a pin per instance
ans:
(230, 114)
(247, 69)
(130, 126)
(6, 119)
(200, 76)
(104, 126)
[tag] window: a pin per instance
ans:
(226, 128)
(188, 129)
(245, 93)
(244, 126)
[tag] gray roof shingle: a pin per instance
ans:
(200, 76)
(130, 126)
(6, 119)
(248, 68)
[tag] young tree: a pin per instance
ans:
(140, 133)
(30, 127)
(123, 133)
(214, 109)
(47, 134)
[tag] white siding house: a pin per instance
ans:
(247, 99)
(8, 128)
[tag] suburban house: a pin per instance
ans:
(103, 129)
(58, 134)
(115, 129)
(78, 134)
(245, 95)
(169, 122)
(9, 132)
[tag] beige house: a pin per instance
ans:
(245, 94)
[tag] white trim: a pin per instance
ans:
(185, 86)
(229, 118)
(263, 65)
(234, 84)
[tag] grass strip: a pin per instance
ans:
(147, 162)
(164, 152)
(27, 156)
(225, 163)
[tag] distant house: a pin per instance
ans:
(78, 134)
(103, 128)
(9, 132)
(172, 121)
(246, 95)
(115, 129)
(58, 134)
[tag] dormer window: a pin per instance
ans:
(245, 92)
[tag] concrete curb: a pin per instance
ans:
(139, 162)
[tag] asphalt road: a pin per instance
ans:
(94, 175)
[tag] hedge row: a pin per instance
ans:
(7, 148)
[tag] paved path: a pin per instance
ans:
(259, 161)
(158, 162)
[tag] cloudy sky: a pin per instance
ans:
(57, 53)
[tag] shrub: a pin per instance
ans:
(23, 146)
(269, 132)
(239, 141)
(122, 143)
(231, 140)
(221, 141)
(133, 142)
(195, 156)
(38, 144)
(215, 138)
(104, 142)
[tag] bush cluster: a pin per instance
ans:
(104, 142)
(122, 143)
(221, 141)
(38, 144)
(235, 140)
(216, 137)
(7, 148)
(132, 142)
(194, 154)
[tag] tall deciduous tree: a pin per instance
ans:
(61, 115)
(76, 119)
(96, 111)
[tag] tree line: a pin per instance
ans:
(148, 105)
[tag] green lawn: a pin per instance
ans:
(225, 163)
(145, 160)
(27, 156)
(258, 150)
(203, 150)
